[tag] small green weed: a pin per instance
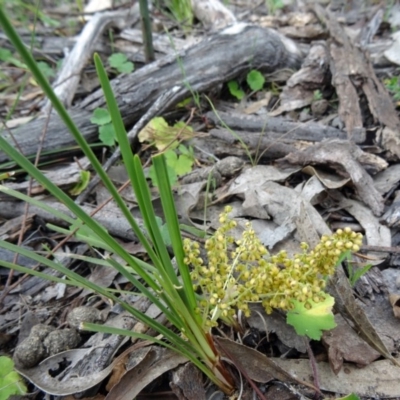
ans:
(179, 162)
(255, 80)
(181, 10)
(273, 6)
(120, 63)
(7, 57)
(11, 382)
(317, 95)
(102, 118)
(82, 184)
(167, 139)
(393, 86)
(354, 274)
(235, 90)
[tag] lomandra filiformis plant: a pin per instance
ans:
(237, 273)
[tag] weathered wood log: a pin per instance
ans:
(221, 57)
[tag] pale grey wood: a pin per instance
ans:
(218, 58)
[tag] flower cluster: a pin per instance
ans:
(243, 272)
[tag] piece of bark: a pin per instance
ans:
(187, 383)
(346, 158)
(64, 176)
(313, 75)
(392, 215)
(353, 76)
(269, 148)
(70, 74)
(218, 58)
(278, 128)
(111, 218)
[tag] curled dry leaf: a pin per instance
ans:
(345, 345)
(347, 159)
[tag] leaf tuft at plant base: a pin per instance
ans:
(311, 322)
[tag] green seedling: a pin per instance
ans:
(102, 118)
(163, 136)
(179, 162)
(354, 274)
(393, 86)
(182, 11)
(317, 95)
(351, 396)
(273, 6)
(167, 139)
(46, 69)
(7, 57)
(11, 383)
(82, 184)
(235, 90)
(255, 80)
(119, 62)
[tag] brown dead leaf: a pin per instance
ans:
(275, 322)
(157, 361)
(339, 287)
(187, 383)
(299, 89)
(257, 366)
(349, 161)
(345, 345)
(377, 380)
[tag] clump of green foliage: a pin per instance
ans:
(241, 272)
(168, 140)
(393, 86)
(254, 79)
(102, 118)
(11, 383)
(120, 63)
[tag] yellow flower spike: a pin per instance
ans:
(347, 230)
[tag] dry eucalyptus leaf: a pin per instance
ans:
(377, 380)
(349, 161)
(339, 288)
(388, 179)
(42, 376)
(155, 363)
(258, 366)
(345, 345)
(275, 322)
(376, 233)
(264, 198)
(330, 181)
